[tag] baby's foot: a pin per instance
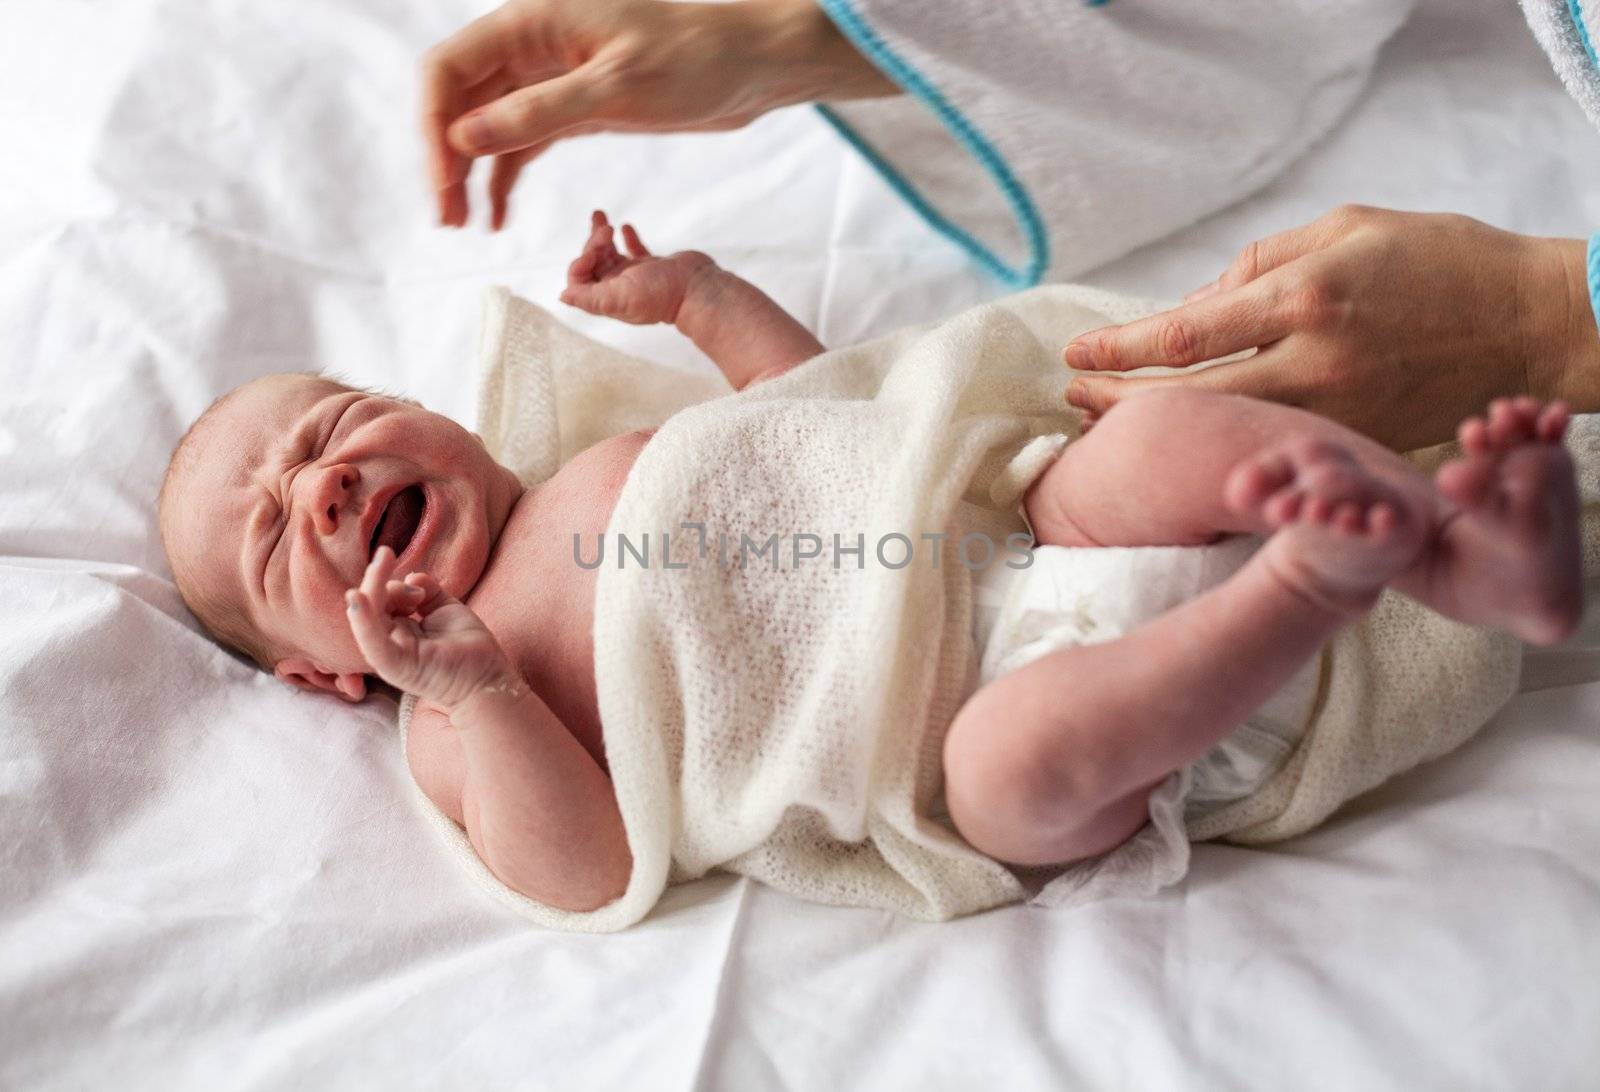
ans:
(1341, 533)
(1510, 556)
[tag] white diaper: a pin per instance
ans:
(1075, 596)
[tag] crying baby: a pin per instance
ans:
(334, 535)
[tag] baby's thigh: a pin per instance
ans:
(1151, 472)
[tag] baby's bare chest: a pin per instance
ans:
(537, 598)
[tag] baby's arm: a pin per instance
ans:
(736, 324)
(537, 808)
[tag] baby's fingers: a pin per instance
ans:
(605, 298)
(376, 578)
(596, 251)
(635, 245)
(376, 636)
(431, 593)
(402, 597)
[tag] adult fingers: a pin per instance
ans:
(1227, 322)
(530, 115)
(504, 176)
(1275, 251)
(467, 59)
(1264, 255)
(1260, 376)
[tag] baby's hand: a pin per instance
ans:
(422, 640)
(639, 287)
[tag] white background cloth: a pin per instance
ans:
(209, 882)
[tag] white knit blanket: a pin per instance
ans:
(786, 723)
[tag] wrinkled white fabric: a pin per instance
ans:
(216, 883)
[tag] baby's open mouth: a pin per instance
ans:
(399, 522)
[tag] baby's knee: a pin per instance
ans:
(1006, 793)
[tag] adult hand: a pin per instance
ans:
(1397, 324)
(535, 71)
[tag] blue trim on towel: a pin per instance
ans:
(866, 40)
(1575, 10)
(1594, 276)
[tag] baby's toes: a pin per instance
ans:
(1466, 481)
(1527, 480)
(1319, 507)
(1307, 452)
(1552, 423)
(1384, 521)
(1254, 481)
(1333, 481)
(1349, 517)
(1511, 422)
(1473, 434)
(1283, 507)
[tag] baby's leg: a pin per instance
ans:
(1186, 467)
(1055, 761)
(1151, 472)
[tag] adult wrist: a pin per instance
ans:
(1576, 378)
(801, 55)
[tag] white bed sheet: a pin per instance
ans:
(207, 881)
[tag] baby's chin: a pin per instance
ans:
(497, 500)
(466, 540)
(461, 526)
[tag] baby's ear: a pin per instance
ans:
(301, 672)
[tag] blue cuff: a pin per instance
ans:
(1594, 276)
(1575, 13)
(860, 34)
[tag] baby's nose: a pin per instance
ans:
(331, 495)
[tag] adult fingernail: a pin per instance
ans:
(1080, 356)
(1076, 395)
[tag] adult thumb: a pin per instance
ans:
(527, 116)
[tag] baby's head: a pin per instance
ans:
(279, 494)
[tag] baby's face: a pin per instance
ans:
(297, 481)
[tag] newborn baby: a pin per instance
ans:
(332, 533)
